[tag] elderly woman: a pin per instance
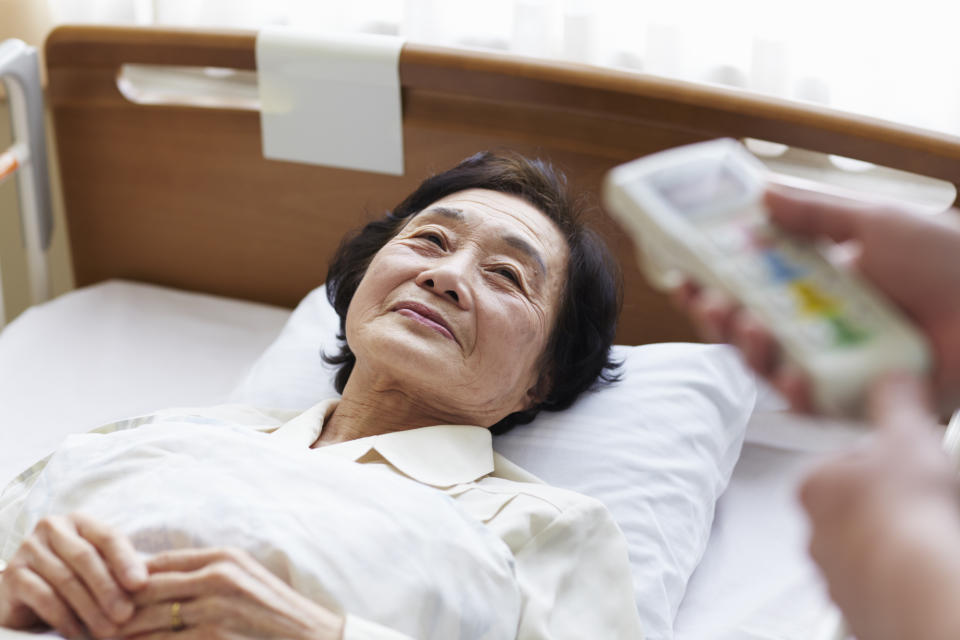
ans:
(477, 302)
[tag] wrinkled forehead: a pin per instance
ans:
(503, 216)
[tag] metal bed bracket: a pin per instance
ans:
(27, 158)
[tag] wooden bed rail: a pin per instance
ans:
(182, 196)
(709, 110)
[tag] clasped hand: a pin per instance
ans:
(80, 577)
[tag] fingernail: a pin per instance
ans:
(136, 573)
(121, 610)
(107, 630)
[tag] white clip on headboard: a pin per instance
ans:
(331, 99)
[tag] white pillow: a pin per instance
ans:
(291, 374)
(657, 448)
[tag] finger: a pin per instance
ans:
(829, 490)
(191, 573)
(711, 312)
(811, 491)
(682, 295)
(41, 598)
(755, 341)
(814, 215)
(795, 386)
(203, 632)
(86, 563)
(117, 549)
(213, 579)
(189, 559)
(160, 617)
(901, 402)
(68, 586)
(172, 586)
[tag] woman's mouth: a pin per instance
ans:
(425, 316)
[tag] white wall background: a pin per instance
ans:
(891, 60)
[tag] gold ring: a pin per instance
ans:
(176, 622)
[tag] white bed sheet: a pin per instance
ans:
(755, 581)
(115, 350)
(120, 349)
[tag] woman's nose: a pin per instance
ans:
(446, 280)
(430, 284)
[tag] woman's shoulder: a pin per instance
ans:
(514, 483)
(534, 517)
(232, 414)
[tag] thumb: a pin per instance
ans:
(901, 402)
(813, 214)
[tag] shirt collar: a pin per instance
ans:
(440, 456)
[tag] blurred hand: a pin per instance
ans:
(885, 523)
(74, 574)
(913, 260)
(224, 593)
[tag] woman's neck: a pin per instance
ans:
(370, 406)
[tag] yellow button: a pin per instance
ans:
(812, 301)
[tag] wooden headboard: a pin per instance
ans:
(182, 196)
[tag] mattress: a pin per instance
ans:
(116, 350)
(120, 349)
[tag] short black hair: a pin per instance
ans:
(577, 355)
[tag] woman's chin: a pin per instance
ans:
(414, 356)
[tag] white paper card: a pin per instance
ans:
(331, 99)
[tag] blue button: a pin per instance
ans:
(781, 269)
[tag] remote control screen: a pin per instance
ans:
(700, 188)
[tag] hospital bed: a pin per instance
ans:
(190, 249)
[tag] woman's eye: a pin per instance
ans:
(510, 275)
(435, 239)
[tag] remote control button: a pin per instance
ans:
(782, 300)
(781, 268)
(812, 300)
(819, 334)
(751, 268)
(806, 256)
(862, 310)
(847, 333)
(849, 301)
(767, 267)
(729, 240)
(828, 276)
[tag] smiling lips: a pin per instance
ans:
(425, 316)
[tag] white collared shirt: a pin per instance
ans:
(570, 558)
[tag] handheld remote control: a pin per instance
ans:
(697, 211)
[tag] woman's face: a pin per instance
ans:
(456, 310)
